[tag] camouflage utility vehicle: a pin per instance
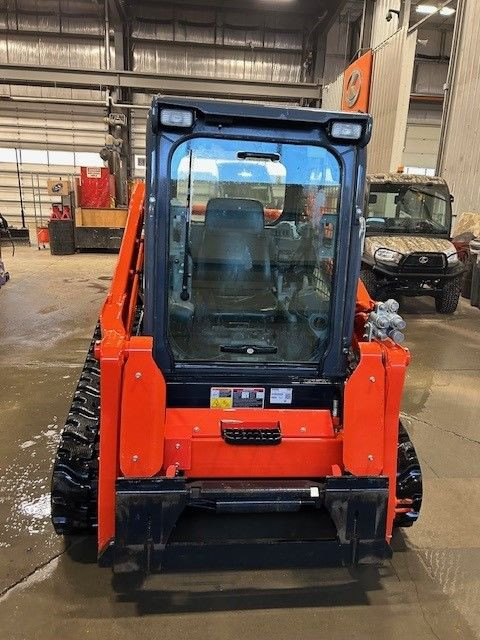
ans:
(407, 245)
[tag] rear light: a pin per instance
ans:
(346, 130)
(181, 118)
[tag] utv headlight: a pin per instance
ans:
(387, 255)
(452, 258)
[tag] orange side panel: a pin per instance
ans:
(396, 360)
(364, 411)
(111, 365)
(115, 321)
(143, 412)
(364, 302)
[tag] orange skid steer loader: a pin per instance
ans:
(239, 368)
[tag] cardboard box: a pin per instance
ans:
(58, 187)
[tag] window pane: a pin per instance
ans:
(65, 158)
(253, 230)
(408, 208)
(33, 156)
(7, 155)
(88, 159)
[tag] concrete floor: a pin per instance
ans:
(431, 588)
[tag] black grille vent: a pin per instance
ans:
(252, 436)
(424, 262)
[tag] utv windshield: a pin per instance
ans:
(253, 229)
(408, 208)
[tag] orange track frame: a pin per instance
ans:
(140, 437)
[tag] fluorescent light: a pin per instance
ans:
(428, 9)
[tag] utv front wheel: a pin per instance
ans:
(447, 300)
(370, 281)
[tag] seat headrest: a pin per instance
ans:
(240, 214)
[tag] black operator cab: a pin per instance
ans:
(252, 239)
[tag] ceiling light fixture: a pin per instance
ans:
(428, 9)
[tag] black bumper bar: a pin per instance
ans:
(148, 510)
(396, 273)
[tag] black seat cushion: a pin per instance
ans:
(234, 258)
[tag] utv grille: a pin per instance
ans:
(423, 262)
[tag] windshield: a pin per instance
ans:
(408, 208)
(253, 229)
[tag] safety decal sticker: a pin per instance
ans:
(237, 397)
(281, 396)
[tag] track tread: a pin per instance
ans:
(75, 469)
(409, 478)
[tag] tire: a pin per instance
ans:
(447, 300)
(370, 281)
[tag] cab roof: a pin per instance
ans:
(218, 109)
(404, 178)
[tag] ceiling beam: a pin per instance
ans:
(153, 82)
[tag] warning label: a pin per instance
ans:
(221, 398)
(237, 397)
(281, 396)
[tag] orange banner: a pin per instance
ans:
(356, 84)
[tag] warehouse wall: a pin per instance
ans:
(332, 94)
(216, 43)
(389, 100)
(336, 55)
(460, 159)
(265, 46)
(381, 28)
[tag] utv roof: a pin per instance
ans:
(258, 111)
(403, 178)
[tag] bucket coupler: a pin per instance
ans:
(148, 510)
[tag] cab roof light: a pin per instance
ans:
(179, 118)
(346, 130)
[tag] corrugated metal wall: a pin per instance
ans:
(175, 39)
(390, 99)
(219, 43)
(332, 94)
(381, 28)
(460, 160)
(336, 56)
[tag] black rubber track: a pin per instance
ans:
(409, 478)
(75, 469)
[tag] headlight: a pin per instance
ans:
(176, 118)
(452, 258)
(387, 255)
(346, 130)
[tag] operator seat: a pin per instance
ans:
(233, 270)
